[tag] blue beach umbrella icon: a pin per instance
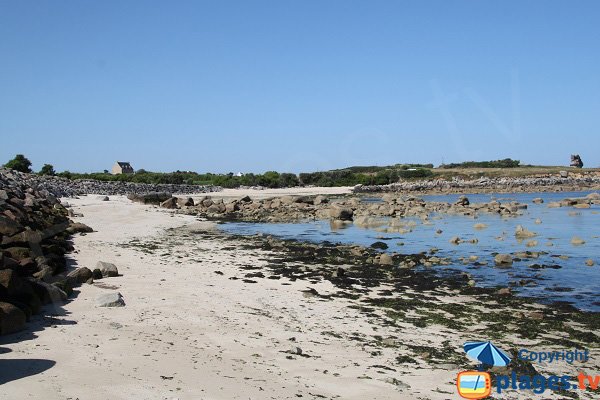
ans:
(487, 354)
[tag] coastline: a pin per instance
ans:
(201, 322)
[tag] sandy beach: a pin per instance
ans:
(187, 332)
(197, 326)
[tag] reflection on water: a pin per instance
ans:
(565, 278)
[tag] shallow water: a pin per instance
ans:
(573, 282)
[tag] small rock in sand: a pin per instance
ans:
(107, 269)
(113, 299)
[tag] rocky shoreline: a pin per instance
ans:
(564, 183)
(62, 187)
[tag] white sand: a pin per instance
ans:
(187, 332)
(268, 193)
(211, 337)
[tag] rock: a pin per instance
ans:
(150, 198)
(480, 226)
(107, 269)
(564, 174)
(581, 205)
(320, 200)
(339, 273)
(504, 292)
(8, 227)
(113, 299)
(296, 350)
(455, 240)
(589, 262)
(185, 202)
(576, 161)
(103, 198)
(532, 243)
(593, 196)
(12, 319)
(78, 227)
(503, 259)
(96, 274)
(536, 315)
(48, 293)
(462, 201)
(577, 241)
(341, 213)
(538, 200)
(246, 199)
(523, 233)
(538, 221)
(386, 259)
(170, 203)
(379, 245)
(232, 207)
(80, 275)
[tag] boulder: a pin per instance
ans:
(48, 293)
(386, 259)
(107, 269)
(320, 200)
(80, 275)
(576, 161)
(150, 198)
(113, 299)
(232, 207)
(78, 227)
(341, 213)
(170, 203)
(523, 233)
(503, 259)
(8, 227)
(185, 202)
(12, 319)
(462, 201)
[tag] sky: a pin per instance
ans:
(250, 86)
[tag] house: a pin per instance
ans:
(122, 167)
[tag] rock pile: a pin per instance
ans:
(34, 228)
(527, 184)
(339, 211)
(62, 187)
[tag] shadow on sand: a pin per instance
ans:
(11, 370)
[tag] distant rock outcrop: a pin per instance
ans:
(576, 161)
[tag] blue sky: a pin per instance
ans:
(297, 85)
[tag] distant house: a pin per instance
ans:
(122, 167)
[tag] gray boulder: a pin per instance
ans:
(107, 269)
(80, 275)
(113, 299)
(185, 201)
(341, 213)
(169, 203)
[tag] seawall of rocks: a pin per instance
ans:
(62, 187)
(500, 185)
(34, 233)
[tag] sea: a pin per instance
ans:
(559, 274)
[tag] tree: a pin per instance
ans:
(47, 169)
(19, 163)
